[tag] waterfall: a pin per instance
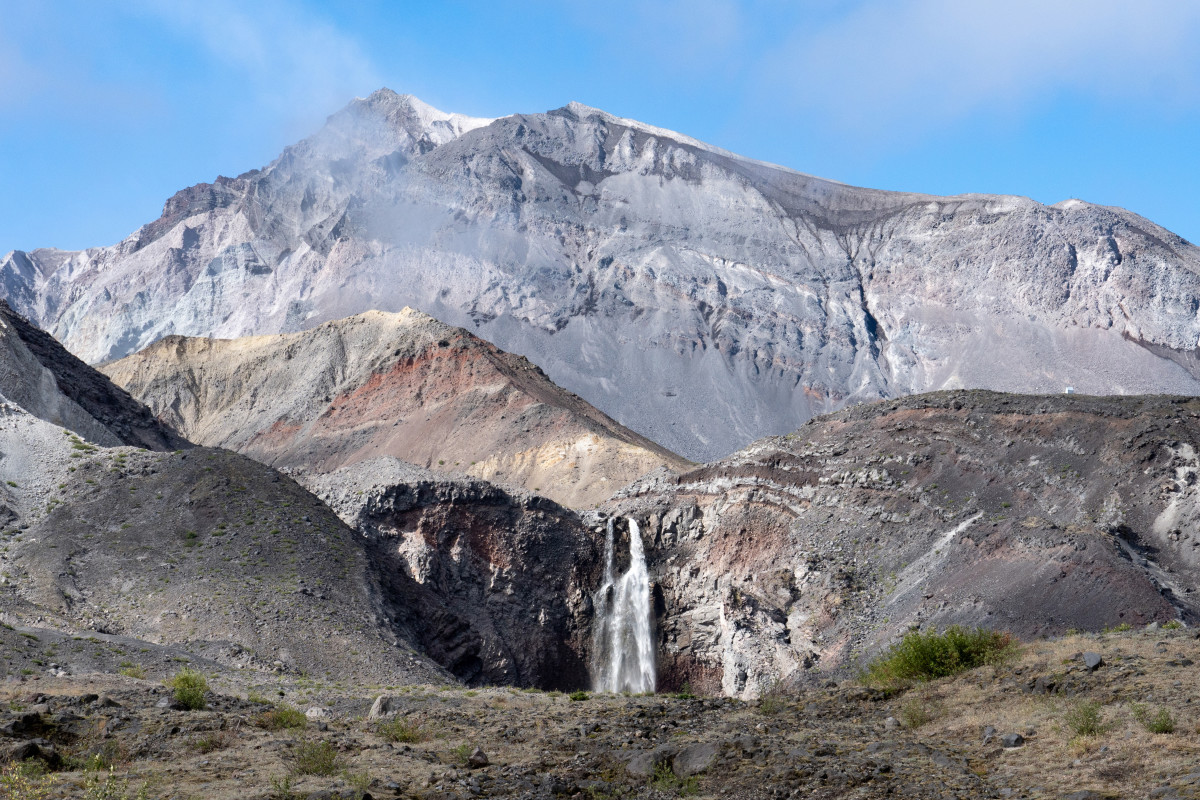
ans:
(622, 642)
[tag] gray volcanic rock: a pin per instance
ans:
(1031, 514)
(210, 552)
(398, 385)
(698, 297)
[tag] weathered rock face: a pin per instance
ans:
(1031, 514)
(396, 385)
(42, 378)
(700, 298)
(500, 582)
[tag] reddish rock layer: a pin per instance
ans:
(390, 385)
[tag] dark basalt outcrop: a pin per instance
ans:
(499, 580)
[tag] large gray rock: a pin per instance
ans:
(701, 298)
(695, 759)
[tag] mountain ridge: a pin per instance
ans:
(700, 298)
(401, 385)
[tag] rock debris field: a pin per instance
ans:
(995, 732)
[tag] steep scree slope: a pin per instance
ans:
(1032, 514)
(43, 379)
(700, 298)
(401, 385)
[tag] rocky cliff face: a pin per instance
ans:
(698, 297)
(500, 581)
(389, 385)
(1031, 514)
(210, 553)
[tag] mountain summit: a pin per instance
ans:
(700, 298)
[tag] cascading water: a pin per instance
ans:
(622, 646)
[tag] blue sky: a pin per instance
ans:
(107, 109)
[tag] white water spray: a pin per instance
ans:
(623, 647)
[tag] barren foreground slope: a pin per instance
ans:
(947, 739)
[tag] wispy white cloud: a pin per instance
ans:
(903, 67)
(294, 61)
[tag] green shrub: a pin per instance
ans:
(26, 780)
(316, 758)
(1159, 722)
(579, 696)
(1085, 719)
(133, 671)
(281, 718)
(685, 692)
(665, 780)
(281, 788)
(105, 786)
(190, 688)
(927, 656)
(402, 730)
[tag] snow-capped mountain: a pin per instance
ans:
(701, 298)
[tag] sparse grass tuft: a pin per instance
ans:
(460, 754)
(282, 717)
(132, 671)
(927, 656)
(408, 731)
(665, 780)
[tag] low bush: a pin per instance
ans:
(1159, 722)
(917, 712)
(1085, 719)
(282, 717)
(579, 696)
(316, 758)
(190, 688)
(927, 656)
(26, 780)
